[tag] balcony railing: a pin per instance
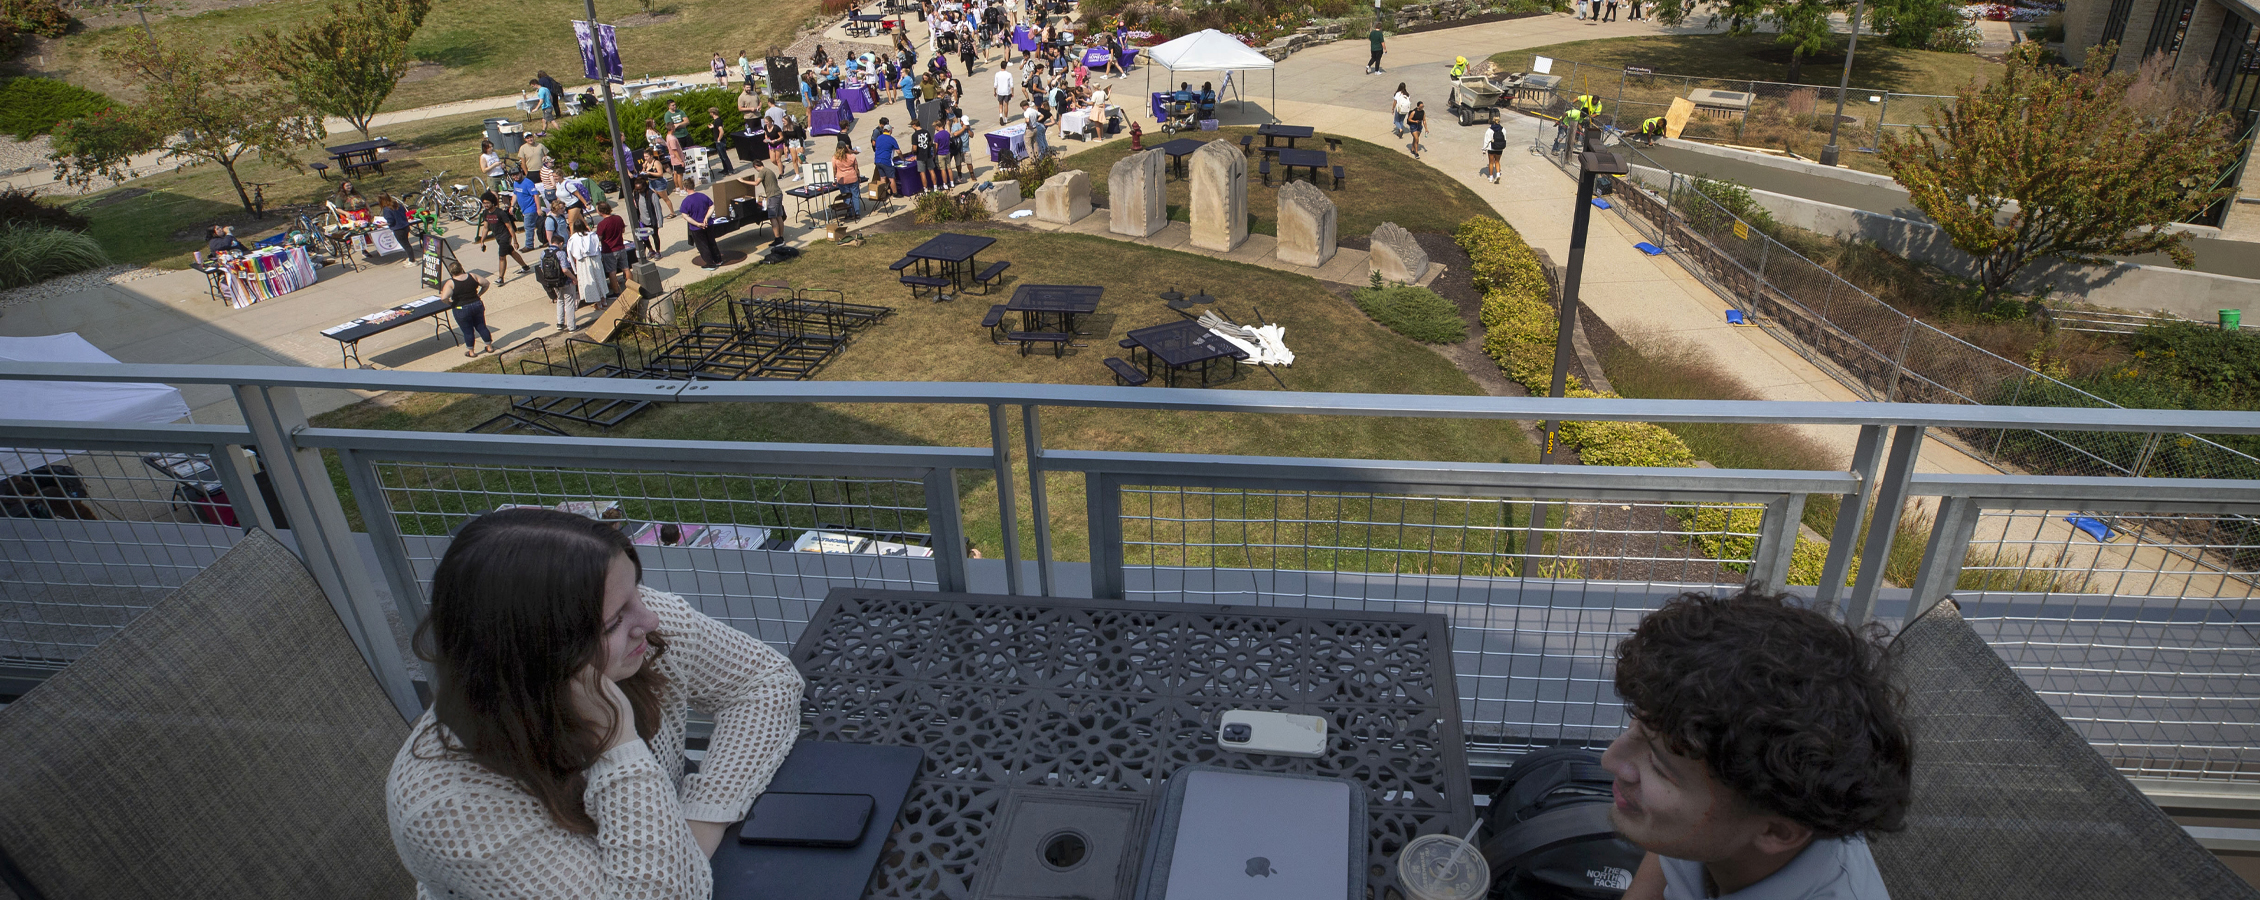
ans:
(2126, 602)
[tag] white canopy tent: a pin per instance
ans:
(76, 401)
(1211, 50)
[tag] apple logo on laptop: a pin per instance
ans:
(1258, 865)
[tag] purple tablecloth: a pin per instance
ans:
(1094, 57)
(1013, 140)
(906, 182)
(859, 99)
(1022, 40)
(830, 118)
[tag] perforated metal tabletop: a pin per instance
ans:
(1043, 710)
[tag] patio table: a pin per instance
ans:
(1291, 159)
(1183, 344)
(1292, 133)
(1030, 709)
(360, 155)
(955, 253)
(1179, 149)
(1038, 302)
(349, 335)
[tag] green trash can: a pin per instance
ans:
(2230, 318)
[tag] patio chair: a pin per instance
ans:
(2011, 803)
(228, 742)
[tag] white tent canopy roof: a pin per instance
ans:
(1209, 50)
(76, 401)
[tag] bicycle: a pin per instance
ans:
(457, 201)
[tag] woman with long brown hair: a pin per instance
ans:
(551, 761)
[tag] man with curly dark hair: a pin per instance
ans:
(1766, 742)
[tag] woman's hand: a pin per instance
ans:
(602, 704)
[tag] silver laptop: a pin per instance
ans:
(1248, 836)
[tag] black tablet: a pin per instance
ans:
(807, 820)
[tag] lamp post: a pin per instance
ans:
(1843, 85)
(1593, 162)
(645, 273)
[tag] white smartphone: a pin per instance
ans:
(1282, 734)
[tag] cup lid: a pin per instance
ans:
(1442, 867)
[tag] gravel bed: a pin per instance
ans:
(77, 281)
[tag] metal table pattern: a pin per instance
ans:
(1292, 133)
(1018, 696)
(1036, 302)
(1181, 345)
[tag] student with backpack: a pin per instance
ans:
(555, 275)
(1494, 143)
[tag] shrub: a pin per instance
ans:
(2206, 360)
(46, 18)
(581, 139)
(935, 207)
(1030, 174)
(1729, 200)
(30, 254)
(1730, 533)
(1415, 312)
(20, 206)
(30, 107)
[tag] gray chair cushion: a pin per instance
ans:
(2011, 803)
(230, 742)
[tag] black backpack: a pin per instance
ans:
(1548, 832)
(548, 271)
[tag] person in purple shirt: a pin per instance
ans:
(698, 210)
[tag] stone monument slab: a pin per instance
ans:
(1220, 196)
(1306, 225)
(1136, 205)
(1064, 198)
(1397, 256)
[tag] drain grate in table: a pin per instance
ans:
(1019, 694)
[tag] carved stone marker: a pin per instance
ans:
(1064, 198)
(1136, 205)
(1220, 196)
(1397, 256)
(1306, 225)
(1001, 197)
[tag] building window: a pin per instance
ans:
(2115, 24)
(2167, 29)
(2234, 66)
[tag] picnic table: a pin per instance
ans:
(955, 253)
(1179, 149)
(1182, 345)
(1036, 303)
(349, 335)
(1291, 159)
(859, 24)
(360, 155)
(1292, 133)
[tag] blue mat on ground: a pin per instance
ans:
(1648, 248)
(1604, 204)
(2094, 527)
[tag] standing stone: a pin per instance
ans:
(1001, 196)
(1135, 203)
(1306, 225)
(1397, 256)
(1220, 196)
(1064, 198)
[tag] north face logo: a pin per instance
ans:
(1610, 877)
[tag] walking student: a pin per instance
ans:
(1494, 143)
(494, 225)
(720, 139)
(1373, 38)
(555, 275)
(698, 211)
(1399, 106)
(1609, 10)
(1417, 122)
(586, 251)
(470, 312)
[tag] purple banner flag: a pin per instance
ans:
(587, 39)
(608, 46)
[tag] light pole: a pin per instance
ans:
(1592, 162)
(645, 273)
(1843, 85)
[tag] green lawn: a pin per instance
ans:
(160, 219)
(1385, 185)
(488, 47)
(1782, 117)
(1338, 349)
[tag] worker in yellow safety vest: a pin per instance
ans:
(1591, 106)
(1653, 128)
(1459, 68)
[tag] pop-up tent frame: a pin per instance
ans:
(1211, 50)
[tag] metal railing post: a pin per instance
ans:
(1103, 497)
(1038, 509)
(1899, 364)
(1777, 543)
(1942, 560)
(1866, 453)
(1008, 507)
(242, 485)
(317, 522)
(1890, 497)
(947, 525)
(384, 535)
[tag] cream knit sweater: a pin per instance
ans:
(465, 831)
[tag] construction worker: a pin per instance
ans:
(1590, 106)
(1652, 128)
(1567, 126)
(1459, 68)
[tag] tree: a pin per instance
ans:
(1801, 25)
(347, 63)
(2048, 162)
(195, 103)
(1914, 24)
